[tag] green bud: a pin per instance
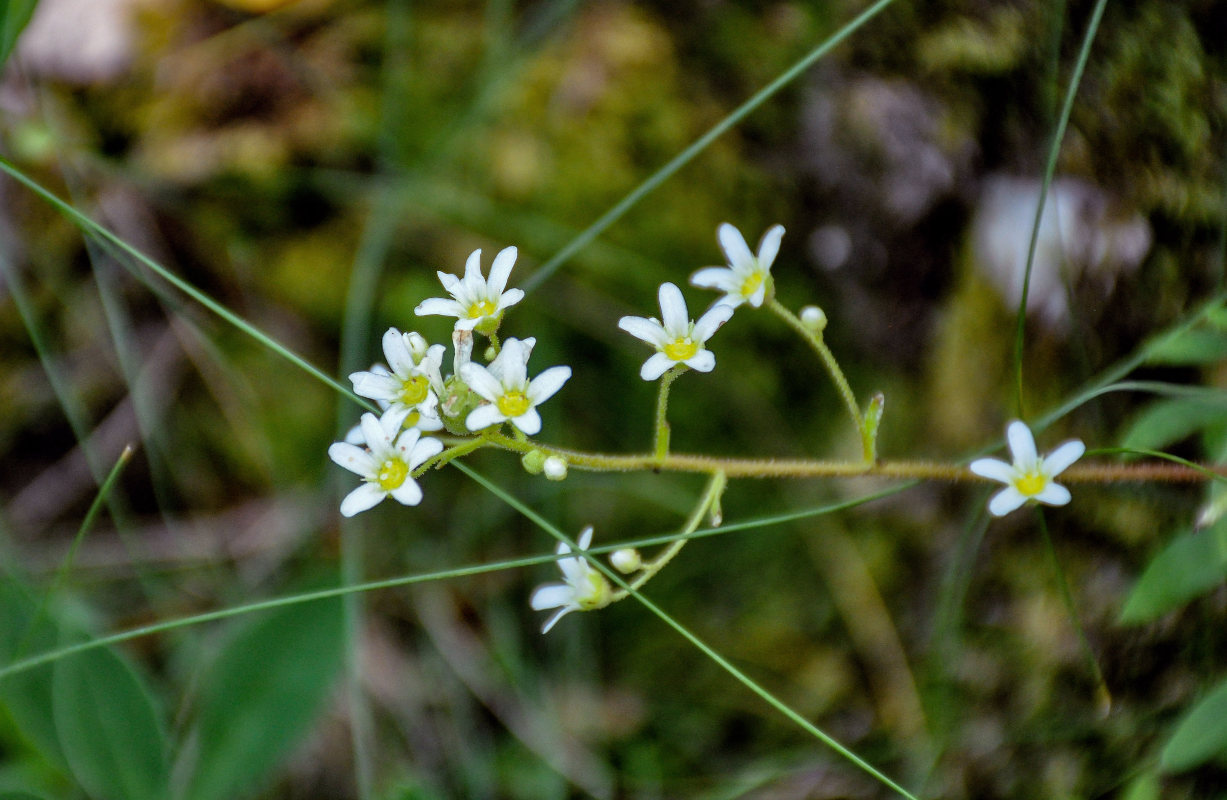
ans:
(533, 462)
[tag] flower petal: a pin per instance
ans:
(585, 538)
(721, 278)
(1060, 459)
(368, 495)
(547, 384)
(408, 493)
(529, 422)
(373, 433)
(1054, 494)
(655, 366)
(374, 385)
(500, 270)
(702, 361)
(551, 595)
(439, 306)
(648, 330)
(769, 246)
(673, 311)
(1005, 501)
(993, 469)
(352, 457)
(711, 321)
(557, 615)
(425, 448)
(393, 420)
(483, 417)
(511, 366)
(396, 350)
(1022, 445)
(480, 380)
(472, 268)
(510, 298)
(734, 246)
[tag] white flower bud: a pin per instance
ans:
(626, 561)
(814, 318)
(555, 468)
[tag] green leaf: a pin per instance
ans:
(13, 18)
(27, 695)
(1144, 787)
(109, 728)
(1200, 735)
(1191, 564)
(1192, 346)
(1166, 422)
(261, 694)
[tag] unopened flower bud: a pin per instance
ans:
(626, 561)
(555, 468)
(814, 318)
(490, 353)
(534, 462)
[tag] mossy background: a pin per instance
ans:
(270, 152)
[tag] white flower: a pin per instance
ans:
(555, 468)
(414, 382)
(747, 278)
(386, 467)
(510, 395)
(677, 340)
(476, 302)
(585, 588)
(1030, 476)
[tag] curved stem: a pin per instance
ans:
(710, 497)
(832, 366)
(661, 435)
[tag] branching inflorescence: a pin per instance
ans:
(429, 420)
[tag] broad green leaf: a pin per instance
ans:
(1201, 734)
(27, 696)
(1193, 346)
(260, 696)
(14, 14)
(1166, 422)
(109, 728)
(1144, 787)
(1191, 564)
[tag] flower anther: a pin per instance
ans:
(1030, 477)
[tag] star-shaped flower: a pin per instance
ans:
(477, 303)
(510, 395)
(1030, 476)
(747, 278)
(677, 340)
(585, 588)
(386, 468)
(414, 382)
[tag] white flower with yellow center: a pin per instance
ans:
(1030, 477)
(509, 394)
(747, 278)
(386, 467)
(585, 588)
(477, 303)
(677, 339)
(414, 381)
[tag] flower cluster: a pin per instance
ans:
(416, 398)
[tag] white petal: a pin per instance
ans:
(510, 298)
(396, 350)
(673, 311)
(352, 457)
(1022, 445)
(551, 595)
(405, 442)
(511, 366)
(648, 330)
(711, 321)
(545, 385)
(483, 417)
(464, 323)
(769, 246)
(372, 432)
(702, 361)
(585, 538)
(734, 246)
(368, 495)
(721, 278)
(992, 469)
(408, 493)
(557, 615)
(393, 420)
(529, 422)
(425, 448)
(472, 267)
(1061, 458)
(1054, 494)
(440, 306)
(479, 379)
(375, 386)
(1005, 501)
(655, 366)
(500, 270)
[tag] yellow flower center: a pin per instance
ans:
(681, 349)
(414, 390)
(482, 308)
(595, 594)
(750, 285)
(513, 404)
(1031, 484)
(392, 474)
